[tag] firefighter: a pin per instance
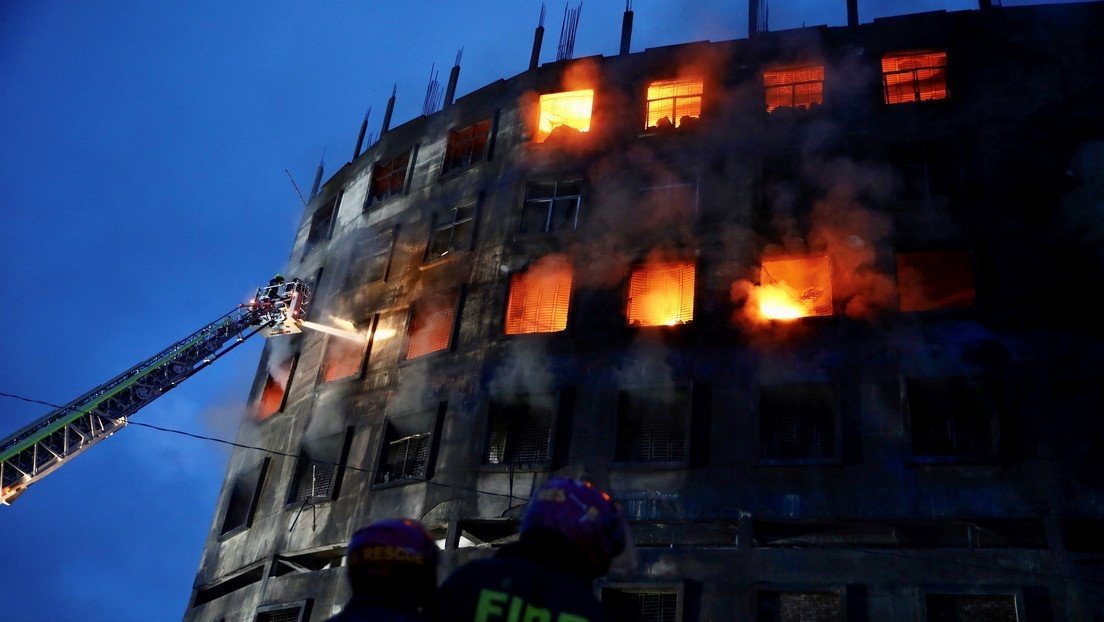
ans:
(392, 571)
(570, 533)
(272, 292)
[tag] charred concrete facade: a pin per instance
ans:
(498, 300)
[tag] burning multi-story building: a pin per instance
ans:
(814, 305)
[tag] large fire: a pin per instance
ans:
(793, 288)
(570, 109)
(540, 297)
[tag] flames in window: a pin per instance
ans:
(914, 76)
(540, 297)
(661, 294)
(673, 103)
(344, 356)
(271, 399)
(564, 112)
(795, 86)
(792, 288)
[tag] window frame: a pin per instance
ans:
(253, 478)
(630, 430)
(556, 101)
(387, 170)
(462, 152)
(676, 99)
(529, 202)
(916, 82)
(838, 591)
(448, 220)
(364, 349)
(558, 402)
(534, 320)
(425, 424)
(924, 593)
(633, 285)
(985, 389)
(789, 77)
(302, 607)
(829, 397)
(373, 255)
(323, 221)
(678, 588)
(437, 301)
(326, 447)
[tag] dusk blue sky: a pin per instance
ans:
(145, 191)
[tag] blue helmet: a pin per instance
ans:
(393, 554)
(584, 514)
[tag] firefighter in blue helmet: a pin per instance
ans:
(392, 571)
(570, 533)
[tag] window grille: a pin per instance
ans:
(453, 230)
(570, 109)
(344, 357)
(652, 425)
(661, 294)
(467, 146)
(317, 469)
(405, 458)
(551, 207)
(799, 607)
(929, 280)
(971, 608)
(281, 613)
(431, 325)
(519, 431)
(671, 102)
(539, 300)
(798, 86)
(797, 422)
(389, 178)
(372, 258)
(914, 76)
(641, 604)
(952, 417)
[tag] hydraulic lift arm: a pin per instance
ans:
(46, 444)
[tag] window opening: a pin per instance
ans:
(645, 605)
(951, 417)
(795, 287)
(971, 607)
(453, 230)
(673, 103)
(551, 206)
(661, 294)
(317, 469)
(372, 258)
(519, 430)
(405, 458)
(938, 279)
(797, 422)
(540, 298)
(344, 355)
(914, 76)
(431, 325)
(777, 606)
(467, 146)
(795, 86)
(652, 425)
(298, 612)
(244, 494)
(322, 223)
(389, 178)
(564, 113)
(271, 399)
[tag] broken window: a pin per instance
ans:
(938, 279)
(795, 287)
(661, 294)
(466, 146)
(644, 603)
(673, 103)
(431, 325)
(344, 355)
(389, 178)
(566, 113)
(795, 606)
(520, 430)
(244, 494)
(453, 230)
(797, 422)
(539, 298)
(372, 256)
(322, 223)
(408, 447)
(952, 417)
(318, 468)
(551, 206)
(653, 425)
(971, 607)
(914, 76)
(794, 86)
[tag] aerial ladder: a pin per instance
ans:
(45, 445)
